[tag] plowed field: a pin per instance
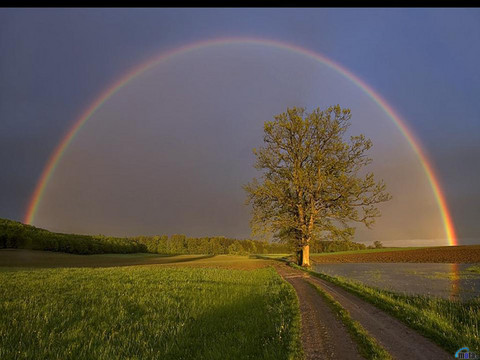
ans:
(442, 254)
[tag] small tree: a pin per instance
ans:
(377, 244)
(311, 184)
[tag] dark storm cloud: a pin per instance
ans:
(54, 62)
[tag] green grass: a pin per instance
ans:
(147, 312)
(474, 269)
(368, 347)
(274, 256)
(451, 324)
(281, 257)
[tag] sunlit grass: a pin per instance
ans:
(238, 262)
(147, 312)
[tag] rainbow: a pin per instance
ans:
(56, 156)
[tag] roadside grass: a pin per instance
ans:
(450, 323)
(368, 347)
(148, 312)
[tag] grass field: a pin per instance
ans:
(210, 308)
(35, 258)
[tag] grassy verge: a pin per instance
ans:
(451, 324)
(147, 312)
(367, 345)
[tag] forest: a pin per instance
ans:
(16, 235)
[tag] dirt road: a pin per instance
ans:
(325, 337)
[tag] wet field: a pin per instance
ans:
(450, 281)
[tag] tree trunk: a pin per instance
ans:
(304, 256)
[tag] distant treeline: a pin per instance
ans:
(16, 235)
(180, 244)
(333, 246)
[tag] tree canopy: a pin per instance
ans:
(312, 184)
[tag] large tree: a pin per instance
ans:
(313, 183)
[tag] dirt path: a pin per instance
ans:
(398, 339)
(323, 335)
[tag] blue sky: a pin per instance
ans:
(424, 62)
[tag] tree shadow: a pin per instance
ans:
(242, 330)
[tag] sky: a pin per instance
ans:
(169, 152)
